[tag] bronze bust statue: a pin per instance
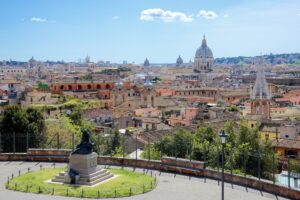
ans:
(85, 146)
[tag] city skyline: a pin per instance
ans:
(134, 30)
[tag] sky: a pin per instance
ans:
(132, 30)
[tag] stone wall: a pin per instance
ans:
(182, 166)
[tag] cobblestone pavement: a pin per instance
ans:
(170, 186)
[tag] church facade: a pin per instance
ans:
(204, 59)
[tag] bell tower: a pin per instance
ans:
(260, 95)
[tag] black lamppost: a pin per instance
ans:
(223, 137)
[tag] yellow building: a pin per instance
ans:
(287, 148)
(267, 131)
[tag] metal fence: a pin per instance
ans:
(282, 171)
(124, 191)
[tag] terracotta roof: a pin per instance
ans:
(285, 143)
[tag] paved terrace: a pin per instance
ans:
(170, 186)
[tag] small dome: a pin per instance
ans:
(146, 63)
(204, 51)
(179, 61)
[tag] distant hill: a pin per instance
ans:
(291, 58)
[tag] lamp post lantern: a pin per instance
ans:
(223, 137)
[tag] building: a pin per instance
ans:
(37, 98)
(146, 63)
(260, 96)
(179, 61)
(185, 118)
(286, 148)
(204, 59)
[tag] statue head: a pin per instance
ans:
(85, 135)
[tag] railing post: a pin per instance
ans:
(191, 148)
(148, 148)
(258, 167)
(244, 162)
(14, 142)
(218, 158)
(98, 144)
(110, 146)
(1, 142)
(289, 174)
(123, 146)
(231, 165)
(27, 141)
(136, 148)
(57, 140)
(204, 155)
(161, 149)
(273, 168)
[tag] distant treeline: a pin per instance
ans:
(291, 58)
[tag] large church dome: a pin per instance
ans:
(204, 51)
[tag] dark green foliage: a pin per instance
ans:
(36, 126)
(244, 152)
(22, 122)
(115, 139)
(14, 120)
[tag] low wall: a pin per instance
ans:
(186, 167)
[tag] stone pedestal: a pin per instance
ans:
(89, 173)
(83, 164)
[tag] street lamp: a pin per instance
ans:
(223, 137)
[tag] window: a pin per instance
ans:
(267, 136)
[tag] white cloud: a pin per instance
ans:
(164, 15)
(207, 14)
(38, 19)
(298, 14)
(225, 15)
(116, 17)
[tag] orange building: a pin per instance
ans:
(80, 86)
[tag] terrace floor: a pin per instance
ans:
(170, 186)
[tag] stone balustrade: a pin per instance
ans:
(183, 166)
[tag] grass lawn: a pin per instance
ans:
(127, 183)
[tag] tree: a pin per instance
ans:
(76, 115)
(36, 127)
(154, 153)
(14, 120)
(182, 141)
(18, 122)
(115, 139)
(233, 108)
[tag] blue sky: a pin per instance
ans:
(132, 30)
